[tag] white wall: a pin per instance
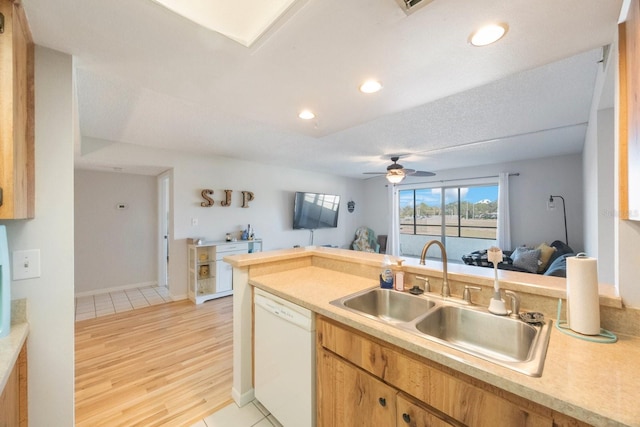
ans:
(50, 304)
(270, 214)
(531, 222)
(115, 248)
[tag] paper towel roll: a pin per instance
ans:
(583, 302)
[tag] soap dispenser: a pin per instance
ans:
(386, 273)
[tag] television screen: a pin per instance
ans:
(312, 211)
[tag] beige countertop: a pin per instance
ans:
(10, 348)
(595, 383)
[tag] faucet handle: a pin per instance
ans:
(515, 303)
(466, 295)
(427, 285)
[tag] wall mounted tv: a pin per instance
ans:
(313, 210)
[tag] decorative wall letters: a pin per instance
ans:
(247, 196)
(208, 200)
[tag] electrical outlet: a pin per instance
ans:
(26, 264)
(194, 222)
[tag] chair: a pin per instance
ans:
(365, 240)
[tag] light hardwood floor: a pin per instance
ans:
(165, 365)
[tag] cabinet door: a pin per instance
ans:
(348, 396)
(9, 409)
(17, 188)
(411, 414)
(224, 277)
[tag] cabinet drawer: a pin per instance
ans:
(236, 247)
(455, 396)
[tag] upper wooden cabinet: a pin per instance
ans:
(629, 119)
(17, 177)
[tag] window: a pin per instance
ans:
(453, 211)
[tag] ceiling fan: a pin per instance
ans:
(396, 172)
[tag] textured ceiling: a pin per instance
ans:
(146, 76)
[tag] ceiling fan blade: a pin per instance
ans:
(421, 173)
(374, 173)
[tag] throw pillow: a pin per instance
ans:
(545, 253)
(526, 258)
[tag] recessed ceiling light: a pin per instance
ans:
(306, 115)
(370, 86)
(488, 34)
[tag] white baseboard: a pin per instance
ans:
(243, 399)
(179, 297)
(115, 289)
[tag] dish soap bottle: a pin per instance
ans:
(386, 274)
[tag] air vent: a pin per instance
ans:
(410, 6)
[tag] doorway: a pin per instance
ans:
(164, 213)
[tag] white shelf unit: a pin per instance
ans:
(209, 276)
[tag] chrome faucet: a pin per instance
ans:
(446, 291)
(515, 303)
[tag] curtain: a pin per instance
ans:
(504, 223)
(393, 240)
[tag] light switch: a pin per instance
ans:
(26, 264)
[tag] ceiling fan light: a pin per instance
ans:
(395, 176)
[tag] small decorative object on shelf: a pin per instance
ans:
(203, 271)
(228, 237)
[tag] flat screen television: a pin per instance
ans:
(313, 210)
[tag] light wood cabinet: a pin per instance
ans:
(428, 394)
(412, 414)
(348, 396)
(17, 177)
(13, 400)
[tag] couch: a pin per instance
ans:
(549, 260)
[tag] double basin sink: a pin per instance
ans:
(502, 340)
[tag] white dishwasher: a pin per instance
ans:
(285, 362)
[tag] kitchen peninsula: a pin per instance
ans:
(585, 381)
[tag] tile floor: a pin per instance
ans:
(250, 415)
(92, 306)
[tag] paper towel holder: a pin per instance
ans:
(551, 206)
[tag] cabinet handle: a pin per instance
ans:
(406, 417)
(382, 401)
(0, 196)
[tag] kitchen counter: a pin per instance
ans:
(595, 383)
(10, 347)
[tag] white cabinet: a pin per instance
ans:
(209, 276)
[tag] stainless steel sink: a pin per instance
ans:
(499, 339)
(502, 340)
(386, 304)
